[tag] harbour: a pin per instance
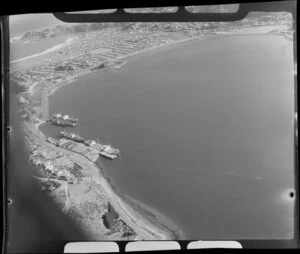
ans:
(138, 117)
(73, 142)
(201, 115)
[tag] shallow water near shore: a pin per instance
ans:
(153, 216)
(205, 132)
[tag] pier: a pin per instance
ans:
(105, 151)
(45, 105)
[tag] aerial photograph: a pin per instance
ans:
(161, 131)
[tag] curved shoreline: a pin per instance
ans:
(150, 214)
(157, 223)
(125, 201)
(125, 57)
(148, 218)
(145, 221)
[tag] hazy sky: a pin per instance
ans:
(19, 24)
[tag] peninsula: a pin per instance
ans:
(76, 180)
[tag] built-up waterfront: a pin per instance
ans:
(60, 163)
(53, 159)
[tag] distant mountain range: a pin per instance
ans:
(255, 19)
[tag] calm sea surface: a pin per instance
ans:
(205, 130)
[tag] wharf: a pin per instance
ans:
(108, 156)
(104, 150)
(61, 117)
(88, 148)
(63, 123)
(90, 153)
(72, 136)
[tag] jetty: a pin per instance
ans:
(90, 153)
(73, 136)
(45, 105)
(59, 116)
(63, 123)
(105, 151)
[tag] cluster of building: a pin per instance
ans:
(88, 152)
(104, 150)
(88, 148)
(84, 54)
(52, 164)
(94, 48)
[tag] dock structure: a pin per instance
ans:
(108, 156)
(63, 123)
(52, 141)
(61, 117)
(105, 151)
(90, 153)
(89, 148)
(45, 105)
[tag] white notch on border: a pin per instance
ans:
(91, 247)
(152, 246)
(214, 244)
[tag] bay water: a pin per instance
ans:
(205, 129)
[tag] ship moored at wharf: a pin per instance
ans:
(65, 118)
(80, 148)
(72, 136)
(105, 151)
(62, 123)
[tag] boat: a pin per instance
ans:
(110, 150)
(104, 150)
(57, 115)
(64, 117)
(108, 156)
(63, 123)
(89, 142)
(72, 136)
(68, 118)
